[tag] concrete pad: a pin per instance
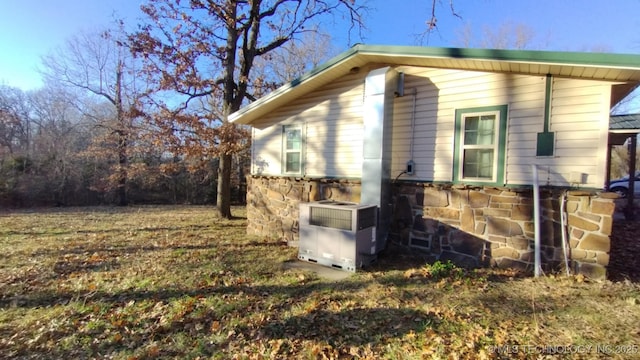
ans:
(323, 272)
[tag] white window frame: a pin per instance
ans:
(286, 129)
(493, 146)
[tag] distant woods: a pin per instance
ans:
(58, 148)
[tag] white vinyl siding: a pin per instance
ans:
(438, 94)
(579, 118)
(331, 121)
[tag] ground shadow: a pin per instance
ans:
(624, 263)
(352, 327)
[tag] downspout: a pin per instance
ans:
(536, 221)
(563, 227)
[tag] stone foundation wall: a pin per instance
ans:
(494, 226)
(470, 226)
(273, 202)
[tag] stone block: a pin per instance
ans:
(522, 212)
(578, 254)
(480, 228)
(573, 243)
(609, 195)
(595, 242)
(607, 225)
(602, 258)
(589, 216)
(478, 199)
(528, 256)
(577, 233)
(581, 223)
(497, 212)
(492, 191)
(497, 239)
(464, 243)
(503, 227)
(504, 199)
(505, 252)
(572, 206)
(529, 226)
(518, 242)
(435, 198)
(459, 197)
(443, 213)
(467, 222)
(434, 227)
(314, 193)
(603, 207)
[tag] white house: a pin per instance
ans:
(443, 140)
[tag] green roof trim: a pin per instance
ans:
(626, 64)
(631, 61)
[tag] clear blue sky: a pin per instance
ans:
(32, 28)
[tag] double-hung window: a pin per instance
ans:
(292, 149)
(480, 138)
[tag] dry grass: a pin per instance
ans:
(176, 282)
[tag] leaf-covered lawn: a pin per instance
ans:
(176, 282)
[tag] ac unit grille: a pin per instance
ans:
(367, 217)
(331, 218)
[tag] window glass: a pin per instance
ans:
(480, 141)
(292, 149)
(292, 162)
(293, 139)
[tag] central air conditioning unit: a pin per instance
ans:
(337, 234)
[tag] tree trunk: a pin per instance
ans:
(122, 169)
(122, 134)
(224, 186)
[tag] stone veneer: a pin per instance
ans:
(273, 202)
(486, 226)
(472, 226)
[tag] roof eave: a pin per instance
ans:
(546, 62)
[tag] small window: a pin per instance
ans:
(292, 149)
(480, 145)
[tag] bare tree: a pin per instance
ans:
(291, 60)
(504, 36)
(206, 50)
(14, 121)
(97, 64)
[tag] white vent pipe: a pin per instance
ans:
(536, 221)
